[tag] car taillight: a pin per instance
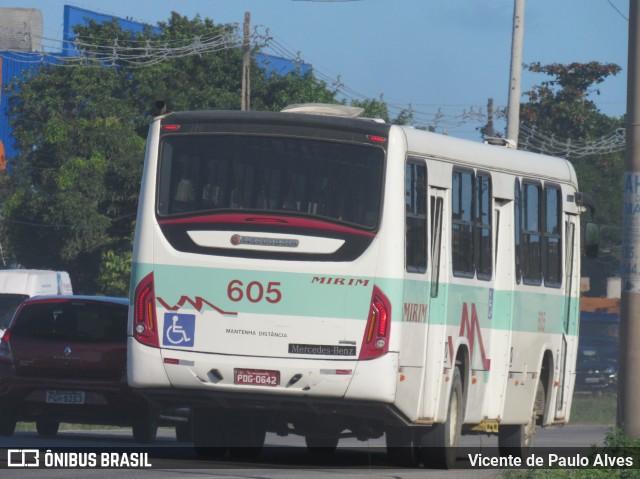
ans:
(6, 356)
(145, 326)
(375, 342)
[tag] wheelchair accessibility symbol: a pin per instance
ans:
(179, 329)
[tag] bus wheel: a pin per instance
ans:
(438, 444)
(402, 447)
(7, 422)
(517, 440)
(208, 432)
(183, 432)
(145, 424)
(47, 428)
(245, 435)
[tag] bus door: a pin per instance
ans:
(502, 307)
(416, 287)
(567, 348)
(436, 343)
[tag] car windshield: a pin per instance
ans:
(8, 305)
(72, 321)
(594, 356)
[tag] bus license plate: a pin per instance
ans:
(256, 377)
(65, 397)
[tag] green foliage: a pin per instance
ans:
(78, 174)
(71, 198)
(115, 269)
(277, 91)
(373, 109)
(378, 109)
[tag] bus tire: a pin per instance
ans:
(438, 444)
(245, 433)
(402, 447)
(47, 428)
(183, 432)
(517, 440)
(208, 433)
(145, 424)
(7, 422)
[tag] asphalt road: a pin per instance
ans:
(283, 457)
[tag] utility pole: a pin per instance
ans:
(490, 131)
(629, 359)
(513, 110)
(246, 66)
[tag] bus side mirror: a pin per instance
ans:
(591, 240)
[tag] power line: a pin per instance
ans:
(441, 120)
(128, 53)
(532, 139)
(618, 10)
(142, 52)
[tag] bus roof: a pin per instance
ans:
(289, 119)
(479, 155)
(419, 142)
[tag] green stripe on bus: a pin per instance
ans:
(349, 297)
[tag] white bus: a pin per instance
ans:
(324, 275)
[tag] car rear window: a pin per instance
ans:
(76, 321)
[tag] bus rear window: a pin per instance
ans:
(214, 173)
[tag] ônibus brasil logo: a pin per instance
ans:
(237, 240)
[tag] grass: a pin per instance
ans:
(594, 409)
(31, 426)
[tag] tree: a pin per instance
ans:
(378, 109)
(562, 106)
(71, 198)
(72, 192)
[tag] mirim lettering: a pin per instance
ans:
(415, 313)
(340, 281)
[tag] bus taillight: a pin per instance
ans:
(6, 356)
(376, 334)
(145, 326)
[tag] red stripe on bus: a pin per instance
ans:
(259, 219)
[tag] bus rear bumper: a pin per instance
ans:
(192, 379)
(144, 366)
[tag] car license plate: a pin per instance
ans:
(256, 377)
(65, 397)
(592, 380)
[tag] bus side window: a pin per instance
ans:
(518, 230)
(483, 234)
(463, 224)
(416, 217)
(436, 243)
(472, 235)
(552, 237)
(531, 233)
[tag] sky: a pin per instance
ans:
(442, 58)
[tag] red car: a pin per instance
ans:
(64, 359)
